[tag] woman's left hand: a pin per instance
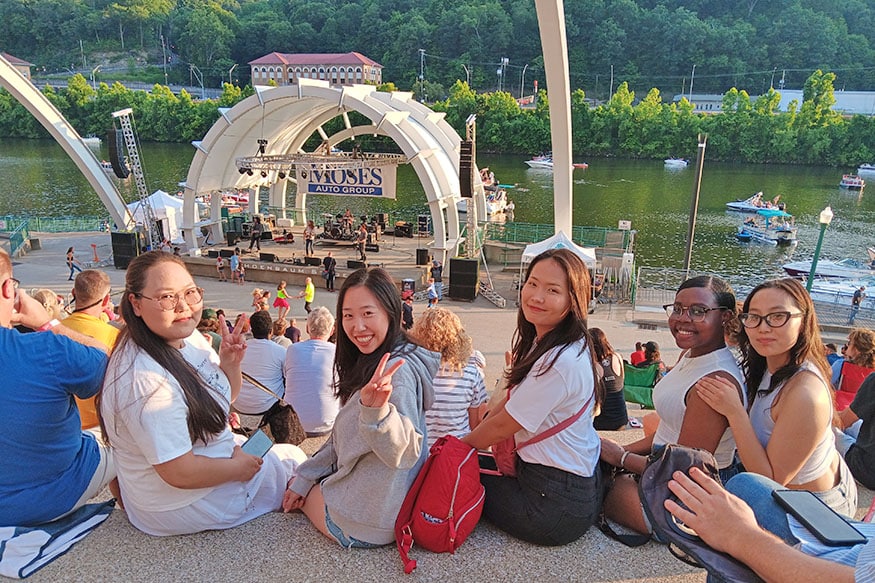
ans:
(612, 452)
(377, 391)
(721, 395)
(233, 343)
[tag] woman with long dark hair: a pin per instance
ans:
(556, 494)
(353, 487)
(614, 415)
(787, 435)
(164, 408)
(702, 310)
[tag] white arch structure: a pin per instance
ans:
(63, 133)
(287, 116)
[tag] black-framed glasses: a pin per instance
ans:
(697, 312)
(773, 320)
(192, 296)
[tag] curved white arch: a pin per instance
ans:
(287, 116)
(63, 133)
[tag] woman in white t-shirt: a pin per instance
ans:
(556, 494)
(164, 408)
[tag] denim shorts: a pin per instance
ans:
(345, 541)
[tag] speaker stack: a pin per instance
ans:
(466, 169)
(125, 246)
(116, 143)
(315, 261)
(351, 264)
(422, 224)
(213, 253)
(464, 279)
(226, 253)
(422, 256)
(270, 257)
(372, 248)
(382, 219)
(233, 237)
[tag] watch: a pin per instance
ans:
(49, 325)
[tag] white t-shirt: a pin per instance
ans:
(541, 402)
(146, 421)
(263, 360)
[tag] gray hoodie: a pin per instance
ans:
(374, 454)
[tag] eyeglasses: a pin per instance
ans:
(15, 282)
(167, 302)
(774, 320)
(697, 312)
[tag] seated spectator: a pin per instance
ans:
(859, 350)
(855, 435)
(293, 333)
(51, 302)
(459, 389)
(209, 327)
(280, 325)
(613, 415)
(652, 356)
(638, 355)
(164, 408)
(832, 353)
(309, 372)
(263, 361)
(50, 466)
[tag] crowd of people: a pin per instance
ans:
(143, 398)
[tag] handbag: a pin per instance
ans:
(324, 274)
(682, 541)
(505, 451)
(281, 421)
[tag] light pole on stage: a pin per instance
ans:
(826, 216)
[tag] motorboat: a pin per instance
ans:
(544, 161)
(866, 169)
(841, 292)
(852, 182)
(755, 203)
(769, 226)
(842, 269)
(496, 202)
(92, 142)
(676, 163)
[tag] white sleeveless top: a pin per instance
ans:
(670, 398)
(819, 461)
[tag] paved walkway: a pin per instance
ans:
(287, 547)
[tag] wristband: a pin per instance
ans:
(49, 325)
(623, 459)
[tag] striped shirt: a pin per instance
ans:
(454, 393)
(861, 557)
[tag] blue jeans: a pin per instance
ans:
(345, 541)
(439, 288)
(756, 491)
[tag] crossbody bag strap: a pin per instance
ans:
(259, 385)
(556, 428)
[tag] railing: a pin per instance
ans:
(59, 224)
(515, 232)
(18, 232)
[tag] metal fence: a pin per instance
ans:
(58, 224)
(515, 232)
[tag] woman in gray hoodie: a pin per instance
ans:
(377, 446)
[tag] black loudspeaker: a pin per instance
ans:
(226, 253)
(213, 253)
(422, 224)
(315, 261)
(267, 257)
(233, 237)
(382, 219)
(422, 256)
(466, 169)
(373, 248)
(247, 230)
(116, 142)
(351, 264)
(464, 279)
(125, 246)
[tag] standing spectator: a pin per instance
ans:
(308, 293)
(459, 389)
(72, 263)
(263, 361)
(293, 333)
(407, 310)
(280, 325)
(856, 300)
(329, 265)
(234, 262)
(614, 415)
(431, 291)
(309, 371)
(437, 269)
(220, 268)
(309, 237)
(638, 355)
(257, 230)
(91, 291)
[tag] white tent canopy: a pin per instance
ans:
(559, 241)
(167, 210)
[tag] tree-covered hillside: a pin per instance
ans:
(749, 44)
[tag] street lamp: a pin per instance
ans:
(467, 75)
(825, 219)
(523, 80)
(93, 73)
(231, 70)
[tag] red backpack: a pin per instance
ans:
(444, 504)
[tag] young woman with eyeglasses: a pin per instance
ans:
(787, 436)
(164, 408)
(703, 308)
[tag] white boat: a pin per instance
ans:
(866, 169)
(843, 269)
(841, 292)
(755, 203)
(770, 226)
(676, 163)
(871, 252)
(92, 142)
(852, 182)
(496, 203)
(542, 161)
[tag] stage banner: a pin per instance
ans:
(371, 181)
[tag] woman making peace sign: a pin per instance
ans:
(378, 443)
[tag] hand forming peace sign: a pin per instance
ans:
(233, 343)
(377, 391)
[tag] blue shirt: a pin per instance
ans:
(48, 461)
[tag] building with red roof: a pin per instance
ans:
(336, 68)
(23, 67)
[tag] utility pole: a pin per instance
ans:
(467, 75)
(164, 58)
(523, 80)
(231, 70)
(82, 50)
(611, 87)
(692, 76)
(421, 75)
(504, 61)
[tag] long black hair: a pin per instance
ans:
(526, 352)
(354, 368)
(206, 416)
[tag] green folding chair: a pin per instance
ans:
(638, 384)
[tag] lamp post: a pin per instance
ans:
(231, 70)
(467, 75)
(523, 80)
(93, 73)
(825, 219)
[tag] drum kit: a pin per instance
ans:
(334, 227)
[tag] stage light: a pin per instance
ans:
(281, 175)
(264, 173)
(249, 171)
(241, 170)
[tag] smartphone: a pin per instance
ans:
(829, 527)
(257, 444)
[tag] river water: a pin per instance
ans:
(37, 177)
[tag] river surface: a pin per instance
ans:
(37, 178)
